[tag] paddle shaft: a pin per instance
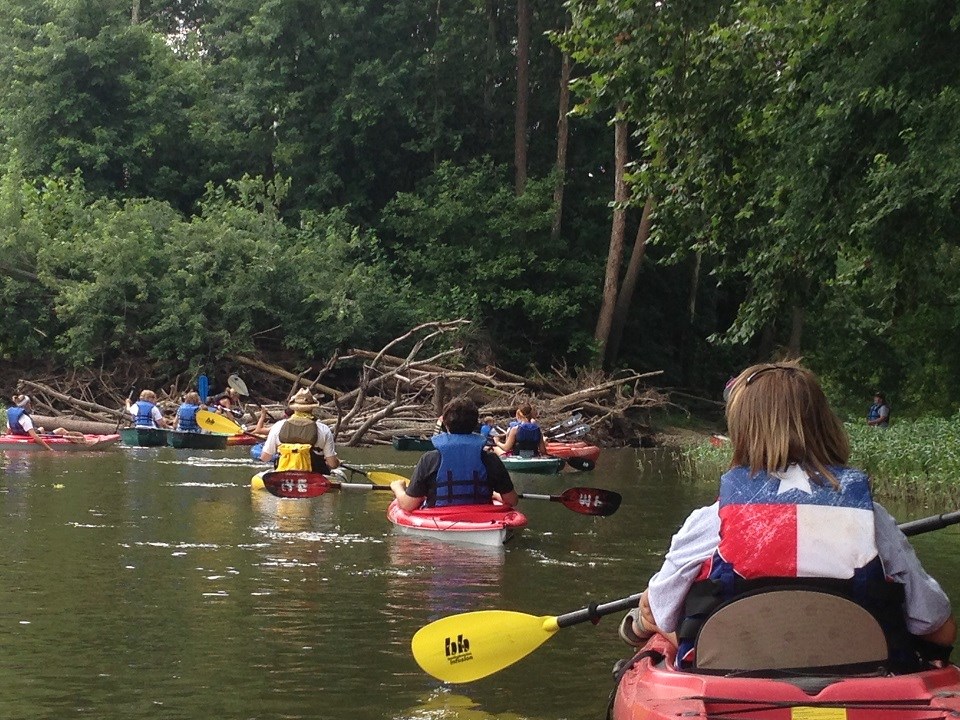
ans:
(934, 522)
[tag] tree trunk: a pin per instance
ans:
(625, 297)
(489, 83)
(615, 253)
(135, 13)
(523, 90)
(796, 330)
(563, 134)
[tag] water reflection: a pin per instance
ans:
(443, 578)
(442, 704)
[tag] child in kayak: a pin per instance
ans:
(790, 508)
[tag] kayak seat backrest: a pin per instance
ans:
(790, 629)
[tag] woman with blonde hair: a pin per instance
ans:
(791, 509)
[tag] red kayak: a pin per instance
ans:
(492, 524)
(61, 442)
(573, 450)
(243, 440)
(653, 690)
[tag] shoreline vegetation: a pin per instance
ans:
(913, 459)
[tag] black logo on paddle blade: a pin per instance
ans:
(457, 649)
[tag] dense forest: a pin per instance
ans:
(685, 187)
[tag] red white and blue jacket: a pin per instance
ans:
(789, 525)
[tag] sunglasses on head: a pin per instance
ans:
(756, 373)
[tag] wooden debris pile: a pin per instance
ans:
(393, 394)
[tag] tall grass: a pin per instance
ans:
(912, 460)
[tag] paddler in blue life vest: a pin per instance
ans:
(791, 508)
(524, 436)
(19, 421)
(145, 412)
(459, 471)
(301, 442)
(878, 414)
(187, 413)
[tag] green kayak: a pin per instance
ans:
(143, 437)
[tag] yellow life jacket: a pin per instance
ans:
(294, 456)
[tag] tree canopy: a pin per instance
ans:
(184, 180)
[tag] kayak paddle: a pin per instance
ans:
(578, 431)
(236, 383)
(203, 387)
(307, 484)
(580, 463)
(568, 423)
(220, 423)
(583, 500)
(469, 646)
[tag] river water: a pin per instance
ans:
(152, 583)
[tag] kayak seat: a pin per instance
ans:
(781, 629)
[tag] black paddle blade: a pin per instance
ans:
(591, 501)
(579, 463)
(296, 483)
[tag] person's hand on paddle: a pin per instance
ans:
(399, 488)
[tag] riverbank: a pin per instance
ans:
(916, 460)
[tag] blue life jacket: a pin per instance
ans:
(187, 417)
(527, 441)
(462, 476)
(874, 413)
(13, 420)
(144, 417)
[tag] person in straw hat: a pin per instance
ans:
(302, 442)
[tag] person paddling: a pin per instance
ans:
(19, 421)
(187, 413)
(145, 412)
(524, 436)
(459, 471)
(790, 508)
(300, 442)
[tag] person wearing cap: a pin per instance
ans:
(878, 414)
(301, 441)
(145, 412)
(19, 421)
(459, 471)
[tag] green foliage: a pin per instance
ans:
(917, 460)
(476, 250)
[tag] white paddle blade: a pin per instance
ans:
(237, 384)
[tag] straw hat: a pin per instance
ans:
(303, 401)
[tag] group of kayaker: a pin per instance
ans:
(146, 413)
(791, 509)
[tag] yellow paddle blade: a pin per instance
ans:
(218, 423)
(384, 478)
(466, 647)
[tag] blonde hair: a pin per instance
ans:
(778, 415)
(148, 395)
(192, 398)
